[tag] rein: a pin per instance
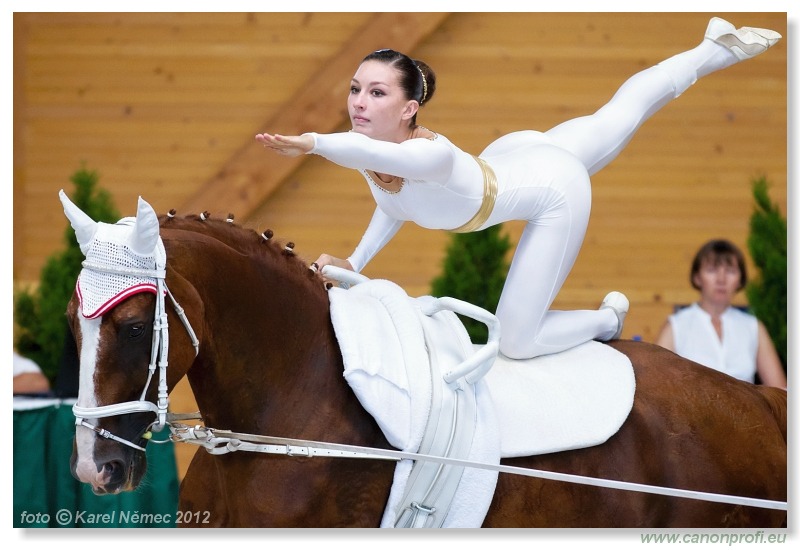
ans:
(158, 355)
(219, 442)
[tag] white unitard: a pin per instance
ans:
(542, 178)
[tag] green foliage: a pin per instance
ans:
(767, 244)
(475, 271)
(39, 313)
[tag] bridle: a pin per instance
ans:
(159, 352)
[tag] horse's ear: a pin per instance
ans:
(146, 231)
(84, 226)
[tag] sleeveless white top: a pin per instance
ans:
(696, 339)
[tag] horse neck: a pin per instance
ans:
(268, 350)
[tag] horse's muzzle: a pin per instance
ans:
(113, 469)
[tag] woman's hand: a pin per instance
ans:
(327, 259)
(290, 146)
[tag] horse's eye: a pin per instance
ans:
(135, 331)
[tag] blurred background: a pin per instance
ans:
(165, 106)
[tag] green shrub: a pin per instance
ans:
(475, 271)
(767, 293)
(39, 314)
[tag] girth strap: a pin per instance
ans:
(431, 486)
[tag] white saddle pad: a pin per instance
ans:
(381, 340)
(574, 399)
(569, 400)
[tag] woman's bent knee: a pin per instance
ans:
(518, 348)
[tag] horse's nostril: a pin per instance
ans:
(112, 468)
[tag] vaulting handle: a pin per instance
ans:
(345, 276)
(476, 366)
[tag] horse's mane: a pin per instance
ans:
(263, 247)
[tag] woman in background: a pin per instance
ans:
(714, 333)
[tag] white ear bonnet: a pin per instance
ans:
(122, 259)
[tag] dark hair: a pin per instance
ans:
(716, 252)
(417, 79)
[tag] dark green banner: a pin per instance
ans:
(46, 494)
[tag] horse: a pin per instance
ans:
(262, 357)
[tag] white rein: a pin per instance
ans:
(222, 441)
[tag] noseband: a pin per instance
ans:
(158, 354)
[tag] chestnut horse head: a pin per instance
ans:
(122, 278)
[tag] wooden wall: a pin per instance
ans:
(163, 105)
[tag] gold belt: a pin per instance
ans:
(489, 197)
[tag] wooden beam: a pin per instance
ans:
(251, 175)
